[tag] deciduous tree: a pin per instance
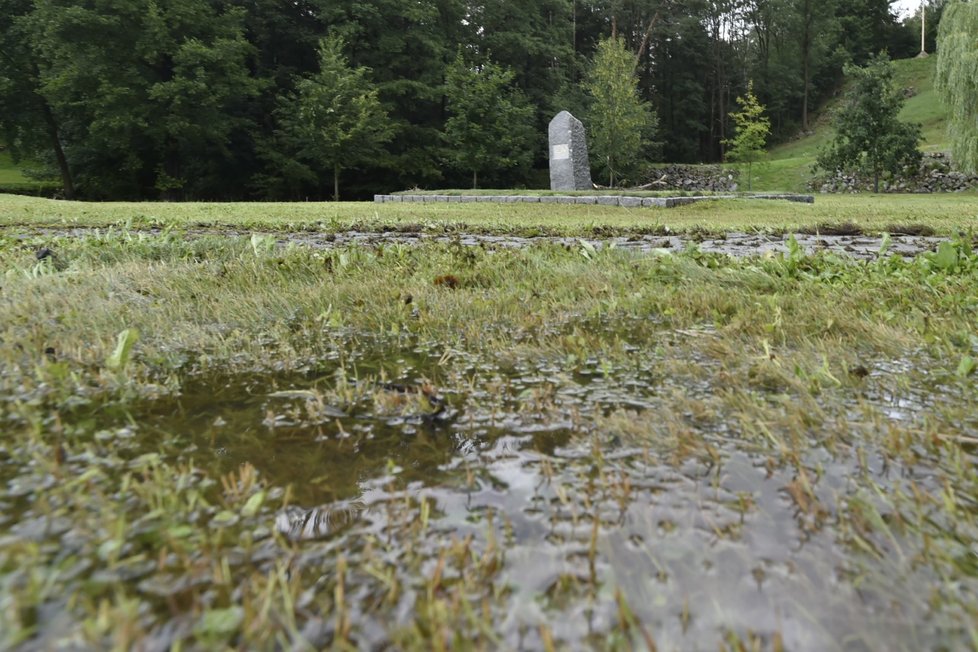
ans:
(620, 122)
(149, 94)
(407, 47)
(28, 122)
(869, 138)
(753, 127)
(334, 121)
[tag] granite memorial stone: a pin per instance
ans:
(569, 165)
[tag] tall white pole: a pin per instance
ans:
(923, 28)
(923, 23)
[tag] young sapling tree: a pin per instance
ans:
(752, 129)
(620, 122)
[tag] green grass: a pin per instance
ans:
(10, 173)
(924, 107)
(781, 174)
(13, 179)
(946, 213)
(695, 451)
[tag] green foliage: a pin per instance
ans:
(957, 80)
(334, 120)
(966, 366)
(28, 123)
(140, 98)
(865, 28)
(123, 349)
(490, 125)
(407, 46)
(262, 244)
(183, 107)
(620, 122)
(177, 99)
(905, 42)
(535, 40)
(753, 127)
(869, 137)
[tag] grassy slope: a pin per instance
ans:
(789, 166)
(9, 172)
(945, 213)
(13, 179)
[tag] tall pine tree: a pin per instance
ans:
(490, 124)
(334, 121)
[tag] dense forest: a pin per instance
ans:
(238, 99)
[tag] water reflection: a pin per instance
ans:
(707, 535)
(300, 524)
(700, 546)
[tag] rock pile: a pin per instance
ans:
(692, 177)
(934, 175)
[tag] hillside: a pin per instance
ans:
(789, 166)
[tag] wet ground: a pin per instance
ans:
(594, 490)
(863, 247)
(699, 486)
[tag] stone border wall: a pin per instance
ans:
(934, 175)
(599, 200)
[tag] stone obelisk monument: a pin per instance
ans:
(569, 165)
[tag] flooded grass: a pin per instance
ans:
(222, 442)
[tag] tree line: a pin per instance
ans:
(264, 99)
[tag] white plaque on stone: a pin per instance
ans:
(561, 152)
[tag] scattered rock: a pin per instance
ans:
(692, 177)
(933, 175)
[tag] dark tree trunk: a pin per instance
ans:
(808, 19)
(66, 178)
(173, 188)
